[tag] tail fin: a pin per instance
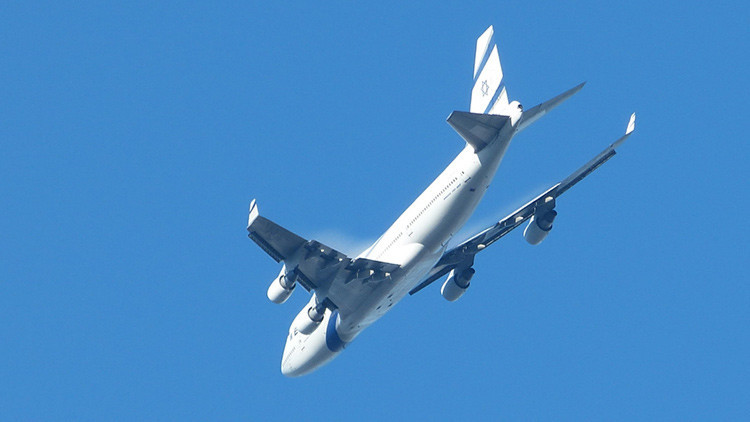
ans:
(488, 96)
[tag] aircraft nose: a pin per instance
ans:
(301, 362)
(289, 371)
(288, 365)
(289, 362)
(305, 353)
(286, 370)
(294, 361)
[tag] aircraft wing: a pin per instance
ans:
(463, 254)
(317, 267)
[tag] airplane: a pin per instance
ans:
(350, 294)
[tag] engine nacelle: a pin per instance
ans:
(539, 227)
(308, 319)
(281, 288)
(456, 284)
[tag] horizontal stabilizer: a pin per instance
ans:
(478, 130)
(534, 113)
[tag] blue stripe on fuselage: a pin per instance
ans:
(333, 341)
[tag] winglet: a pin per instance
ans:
(628, 131)
(631, 124)
(253, 213)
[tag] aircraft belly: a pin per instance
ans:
(452, 212)
(432, 234)
(380, 300)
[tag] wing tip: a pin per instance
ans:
(628, 131)
(631, 125)
(253, 213)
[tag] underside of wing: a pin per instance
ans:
(539, 208)
(276, 241)
(337, 280)
(470, 247)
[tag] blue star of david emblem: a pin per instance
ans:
(485, 88)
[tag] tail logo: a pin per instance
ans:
(485, 88)
(488, 95)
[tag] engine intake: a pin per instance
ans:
(456, 284)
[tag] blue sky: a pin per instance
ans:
(135, 135)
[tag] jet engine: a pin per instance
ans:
(281, 288)
(539, 226)
(309, 318)
(456, 284)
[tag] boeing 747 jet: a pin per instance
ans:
(349, 294)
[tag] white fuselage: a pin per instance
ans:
(415, 241)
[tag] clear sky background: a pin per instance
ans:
(135, 135)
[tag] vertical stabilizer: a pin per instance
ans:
(488, 96)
